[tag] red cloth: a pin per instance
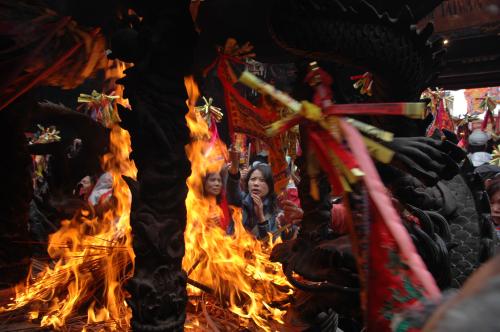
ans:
(442, 119)
(292, 194)
(244, 117)
(226, 217)
(393, 275)
(339, 223)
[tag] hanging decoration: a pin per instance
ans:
(45, 135)
(439, 109)
(100, 107)
(243, 116)
(488, 105)
(473, 98)
(495, 156)
(363, 83)
(41, 162)
(209, 112)
(464, 130)
(393, 276)
(211, 115)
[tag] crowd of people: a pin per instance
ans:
(265, 212)
(480, 155)
(251, 188)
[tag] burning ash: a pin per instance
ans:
(235, 268)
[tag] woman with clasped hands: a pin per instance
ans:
(258, 201)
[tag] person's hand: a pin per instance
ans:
(234, 157)
(243, 177)
(292, 214)
(214, 218)
(258, 207)
(244, 172)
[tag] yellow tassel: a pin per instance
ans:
(274, 128)
(378, 151)
(345, 184)
(311, 111)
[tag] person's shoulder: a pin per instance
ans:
(247, 199)
(480, 158)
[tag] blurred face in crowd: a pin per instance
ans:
(495, 207)
(213, 184)
(257, 184)
(85, 185)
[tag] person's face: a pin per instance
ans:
(213, 184)
(495, 207)
(86, 185)
(257, 184)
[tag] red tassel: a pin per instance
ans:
(324, 160)
(487, 117)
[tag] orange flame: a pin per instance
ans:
(94, 258)
(236, 267)
(114, 71)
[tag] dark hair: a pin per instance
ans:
(478, 148)
(267, 173)
(493, 187)
(260, 158)
(487, 171)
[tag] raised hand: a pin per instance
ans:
(244, 172)
(234, 157)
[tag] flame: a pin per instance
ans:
(236, 267)
(94, 258)
(114, 71)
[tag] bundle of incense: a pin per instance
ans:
(249, 149)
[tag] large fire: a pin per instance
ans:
(94, 257)
(237, 267)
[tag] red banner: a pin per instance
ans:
(397, 276)
(246, 118)
(393, 276)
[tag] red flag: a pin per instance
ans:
(246, 118)
(397, 277)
